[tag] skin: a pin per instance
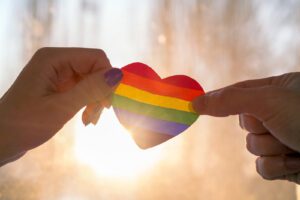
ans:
(58, 82)
(54, 85)
(269, 110)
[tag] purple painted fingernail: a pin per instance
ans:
(113, 76)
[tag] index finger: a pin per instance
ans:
(233, 100)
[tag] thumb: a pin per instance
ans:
(234, 100)
(93, 88)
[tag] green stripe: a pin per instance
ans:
(154, 111)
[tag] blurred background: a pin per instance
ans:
(216, 42)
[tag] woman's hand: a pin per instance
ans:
(269, 109)
(51, 89)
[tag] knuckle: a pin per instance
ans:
(44, 52)
(101, 53)
(226, 93)
(102, 58)
(274, 94)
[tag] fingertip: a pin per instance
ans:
(252, 124)
(263, 169)
(113, 76)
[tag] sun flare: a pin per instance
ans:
(109, 149)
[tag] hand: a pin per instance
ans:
(269, 109)
(51, 89)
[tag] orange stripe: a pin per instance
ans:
(160, 88)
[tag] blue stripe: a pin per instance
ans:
(133, 120)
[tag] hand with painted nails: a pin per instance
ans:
(51, 89)
(269, 109)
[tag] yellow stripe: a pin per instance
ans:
(153, 99)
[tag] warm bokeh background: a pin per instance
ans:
(216, 42)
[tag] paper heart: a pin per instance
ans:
(154, 109)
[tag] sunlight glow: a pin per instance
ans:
(109, 149)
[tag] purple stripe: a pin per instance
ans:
(130, 119)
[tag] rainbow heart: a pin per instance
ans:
(154, 109)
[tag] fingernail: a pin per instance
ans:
(258, 165)
(113, 76)
(248, 142)
(87, 123)
(241, 122)
(292, 163)
(91, 115)
(95, 119)
(84, 118)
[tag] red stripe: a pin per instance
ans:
(147, 72)
(142, 70)
(160, 88)
(182, 81)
